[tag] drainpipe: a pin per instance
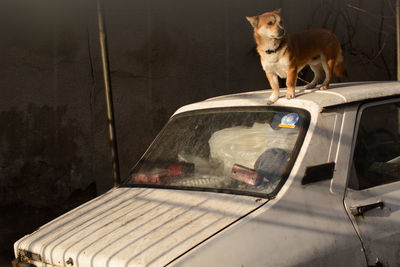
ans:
(108, 91)
(398, 37)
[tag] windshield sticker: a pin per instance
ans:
(289, 120)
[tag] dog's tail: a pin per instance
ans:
(340, 66)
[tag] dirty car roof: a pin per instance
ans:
(338, 94)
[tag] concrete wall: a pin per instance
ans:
(163, 54)
(50, 114)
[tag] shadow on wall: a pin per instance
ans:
(41, 173)
(39, 156)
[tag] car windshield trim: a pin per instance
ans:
(303, 127)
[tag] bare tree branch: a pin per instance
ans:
(377, 17)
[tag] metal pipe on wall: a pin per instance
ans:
(398, 37)
(108, 92)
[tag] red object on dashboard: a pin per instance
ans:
(149, 178)
(157, 176)
(176, 169)
(245, 175)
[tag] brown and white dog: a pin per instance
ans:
(285, 55)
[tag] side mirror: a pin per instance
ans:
(318, 173)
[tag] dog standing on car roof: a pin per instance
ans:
(285, 55)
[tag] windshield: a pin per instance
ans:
(245, 151)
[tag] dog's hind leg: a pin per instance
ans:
(328, 66)
(317, 69)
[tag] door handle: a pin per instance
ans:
(359, 210)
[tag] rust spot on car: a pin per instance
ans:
(70, 261)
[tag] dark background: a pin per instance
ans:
(54, 148)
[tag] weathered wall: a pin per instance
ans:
(48, 106)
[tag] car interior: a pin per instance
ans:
(376, 158)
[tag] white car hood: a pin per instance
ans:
(135, 227)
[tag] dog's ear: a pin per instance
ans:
(253, 21)
(278, 11)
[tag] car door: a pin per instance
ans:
(373, 192)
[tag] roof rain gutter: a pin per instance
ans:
(108, 92)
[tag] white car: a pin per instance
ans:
(231, 181)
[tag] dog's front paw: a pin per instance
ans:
(324, 87)
(289, 95)
(272, 99)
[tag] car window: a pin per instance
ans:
(245, 151)
(376, 157)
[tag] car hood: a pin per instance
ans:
(135, 226)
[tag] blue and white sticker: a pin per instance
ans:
(289, 120)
